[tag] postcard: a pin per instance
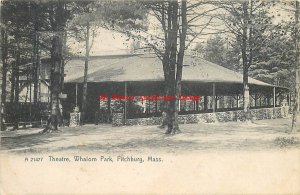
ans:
(149, 97)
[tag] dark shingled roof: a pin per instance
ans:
(147, 67)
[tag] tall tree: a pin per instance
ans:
(4, 58)
(58, 18)
(92, 15)
(246, 20)
(180, 25)
(220, 51)
(296, 107)
(172, 16)
(29, 26)
(83, 23)
(15, 23)
(291, 11)
(273, 62)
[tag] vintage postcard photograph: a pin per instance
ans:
(149, 97)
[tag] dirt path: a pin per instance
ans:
(262, 135)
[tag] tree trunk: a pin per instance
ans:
(16, 96)
(56, 69)
(13, 82)
(180, 57)
(4, 56)
(297, 72)
(246, 61)
(86, 64)
(172, 40)
(246, 97)
(35, 71)
(173, 62)
(55, 87)
(174, 76)
(166, 63)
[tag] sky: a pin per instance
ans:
(108, 42)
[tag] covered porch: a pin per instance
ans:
(219, 89)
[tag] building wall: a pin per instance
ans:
(43, 93)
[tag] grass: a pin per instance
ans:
(261, 135)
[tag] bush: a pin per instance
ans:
(287, 141)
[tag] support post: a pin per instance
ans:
(185, 105)
(1, 112)
(274, 97)
(125, 104)
(205, 103)
(109, 108)
(76, 94)
(255, 99)
(269, 100)
(214, 97)
(274, 101)
(260, 101)
(30, 103)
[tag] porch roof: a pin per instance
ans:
(147, 68)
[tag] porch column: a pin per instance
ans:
(76, 89)
(274, 97)
(255, 99)
(274, 101)
(260, 101)
(125, 103)
(205, 103)
(269, 99)
(109, 107)
(214, 97)
(30, 101)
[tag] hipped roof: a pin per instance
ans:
(147, 68)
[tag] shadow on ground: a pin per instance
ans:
(262, 135)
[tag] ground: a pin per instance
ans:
(220, 158)
(261, 135)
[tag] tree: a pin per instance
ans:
(247, 21)
(272, 63)
(296, 107)
(173, 77)
(58, 17)
(4, 58)
(218, 50)
(291, 9)
(82, 24)
(14, 29)
(180, 25)
(173, 19)
(215, 49)
(92, 15)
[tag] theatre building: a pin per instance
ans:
(210, 92)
